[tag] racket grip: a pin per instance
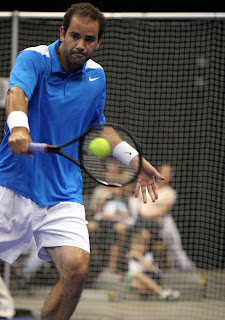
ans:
(38, 147)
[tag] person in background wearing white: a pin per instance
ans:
(169, 231)
(7, 306)
(118, 211)
(145, 274)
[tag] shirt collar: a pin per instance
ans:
(56, 68)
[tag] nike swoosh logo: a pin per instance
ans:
(93, 79)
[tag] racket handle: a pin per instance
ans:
(38, 147)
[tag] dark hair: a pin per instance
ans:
(85, 10)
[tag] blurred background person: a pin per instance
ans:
(144, 272)
(7, 306)
(115, 211)
(161, 212)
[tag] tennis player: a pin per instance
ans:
(55, 93)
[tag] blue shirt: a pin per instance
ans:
(60, 108)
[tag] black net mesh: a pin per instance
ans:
(165, 83)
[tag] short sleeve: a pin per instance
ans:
(26, 71)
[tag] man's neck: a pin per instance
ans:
(64, 65)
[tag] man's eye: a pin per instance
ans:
(75, 36)
(89, 40)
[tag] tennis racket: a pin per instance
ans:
(106, 170)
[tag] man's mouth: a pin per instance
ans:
(78, 54)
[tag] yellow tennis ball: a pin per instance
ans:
(100, 147)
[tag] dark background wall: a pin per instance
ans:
(165, 82)
(118, 6)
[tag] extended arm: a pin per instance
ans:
(146, 178)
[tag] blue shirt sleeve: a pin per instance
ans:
(26, 71)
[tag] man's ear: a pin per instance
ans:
(99, 42)
(62, 33)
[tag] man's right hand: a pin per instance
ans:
(18, 141)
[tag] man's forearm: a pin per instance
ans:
(17, 110)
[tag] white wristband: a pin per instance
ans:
(17, 119)
(124, 152)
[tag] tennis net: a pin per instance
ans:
(165, 83)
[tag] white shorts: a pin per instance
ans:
(59, 225)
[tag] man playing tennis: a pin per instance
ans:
(55, 93)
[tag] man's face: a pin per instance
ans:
(79, 42)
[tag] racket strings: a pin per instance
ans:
(107, 169)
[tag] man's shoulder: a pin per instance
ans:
(37, 56)
(42, 49)
(94, 72)
(91, 64)
(96, 75)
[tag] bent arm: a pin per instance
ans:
(154, 211)
(18, 141)
(136, 254)
(16, 100)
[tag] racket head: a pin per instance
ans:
(107, 170)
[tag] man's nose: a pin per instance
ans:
(80, 45)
